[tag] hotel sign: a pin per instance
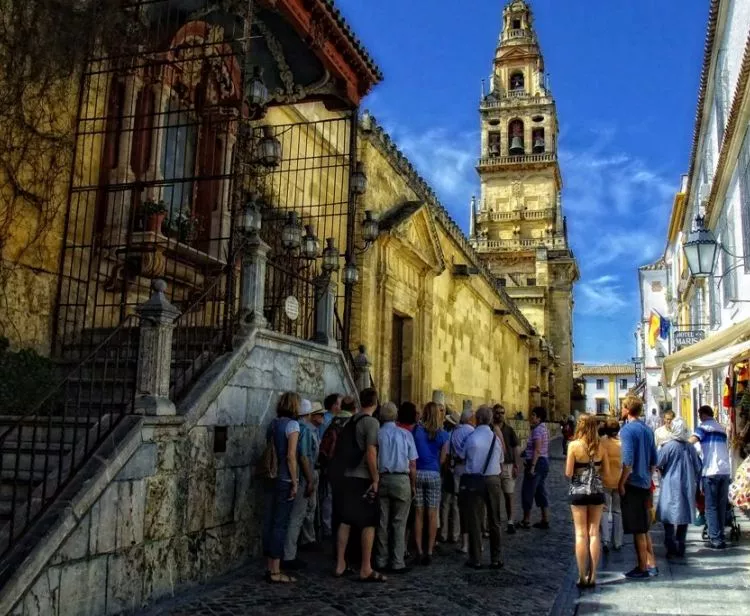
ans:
(686, 338)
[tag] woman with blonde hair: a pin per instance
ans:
(586, 463)
(432, 448)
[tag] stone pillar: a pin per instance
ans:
(254, 262)
(325, 311)
(157, 317)
(362, 366)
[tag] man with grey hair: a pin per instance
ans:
(397, 455)
(481, 489)
(457, 457)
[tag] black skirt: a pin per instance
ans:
(584, 500)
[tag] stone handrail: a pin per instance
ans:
(547, 157)
(516, 215)
(553, 243)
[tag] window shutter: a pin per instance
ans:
(744, 180)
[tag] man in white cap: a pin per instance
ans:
(307, 453)
(308, 537)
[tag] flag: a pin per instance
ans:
(654, 326)
(664, 328)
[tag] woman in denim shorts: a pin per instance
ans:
(432, 447)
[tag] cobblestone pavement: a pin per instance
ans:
(536, 563)
(705, 582)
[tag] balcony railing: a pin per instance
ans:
(552, 243)
(524, 159)
(517, 215)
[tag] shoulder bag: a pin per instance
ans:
(587, 482)
(475, 482)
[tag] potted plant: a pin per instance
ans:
(154, 212)
(186, 226)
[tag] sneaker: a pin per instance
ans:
(653, 571)
(510, 529)
(718, 546)
(543, 524)
(293, 565)
(637, 574)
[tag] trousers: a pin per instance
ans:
(612, 518)
(716, 489)
(296, 519)
(450, 522)
(475, 505)
(395, 501)
(534, 487)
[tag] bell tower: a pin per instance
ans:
(517, 224)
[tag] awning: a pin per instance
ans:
(717, 350)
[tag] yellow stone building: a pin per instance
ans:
(518, 226)
(428, 310)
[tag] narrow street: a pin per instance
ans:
(536, 565)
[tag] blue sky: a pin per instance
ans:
(625, 76)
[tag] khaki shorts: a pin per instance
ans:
(507, 482)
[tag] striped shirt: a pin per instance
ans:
(538, 434)
(713, 440)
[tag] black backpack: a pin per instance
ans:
(347, 454)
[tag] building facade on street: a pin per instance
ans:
(710, 301)
(517, 225)
(605, 386)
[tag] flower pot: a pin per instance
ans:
(154, 222)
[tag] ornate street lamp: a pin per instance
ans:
(700, 250)
(351, 273)
(659, 357)
(291, 233)
(251, 218)
(310, 244)
(330, 257)
(256, 91)
(359, 180)
(370, 227)
(269, 149)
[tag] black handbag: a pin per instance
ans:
(448, 478)
(474, 482)
(588, 482)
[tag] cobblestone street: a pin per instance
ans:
(536, 563)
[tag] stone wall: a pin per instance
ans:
(178, 510)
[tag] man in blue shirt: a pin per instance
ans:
(638, 463)
(397, 455)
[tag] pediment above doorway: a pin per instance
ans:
(412, 224)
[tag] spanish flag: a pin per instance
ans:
(654, 328)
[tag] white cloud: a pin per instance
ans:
(603, 296)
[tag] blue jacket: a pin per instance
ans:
(680, 469)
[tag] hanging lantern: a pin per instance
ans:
(359, 180)
(269, 149)
(330, 257)
(700, 250)
(291, 234)
(310, 244)
(257, 92)
(351, 273)
(370, 227)
(251, 219)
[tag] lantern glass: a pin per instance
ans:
(351, 273)
(359, 180)
(251, 219)
(291, 234)
(330, 257)
(269, 149)
(370, 227)
(700, 250)
(257, 92)
(310, 244)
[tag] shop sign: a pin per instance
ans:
(686, 338)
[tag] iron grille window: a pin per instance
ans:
(743, 169)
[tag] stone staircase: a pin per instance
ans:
(41, 452)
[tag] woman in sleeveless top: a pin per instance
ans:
(587, 507)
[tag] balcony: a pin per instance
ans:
(543, 214)
(526, 159)
(551, 243)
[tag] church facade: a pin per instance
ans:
(517, 223)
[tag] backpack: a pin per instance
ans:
(347, 453)
(268, 464)
(328, 442)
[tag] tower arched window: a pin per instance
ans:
(517, 82)
(537, 141)
(515, 138)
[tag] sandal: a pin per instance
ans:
(280, 578)
(524, 525)
(374, 578)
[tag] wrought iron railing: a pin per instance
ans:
(41, 450)
(290, 298)
(206, 327)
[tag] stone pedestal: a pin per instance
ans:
(325, 311)
(254, 284)
(157, 317)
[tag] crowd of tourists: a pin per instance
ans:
(626, 474)
(384, 483)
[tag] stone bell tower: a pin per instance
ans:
(517, 224)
